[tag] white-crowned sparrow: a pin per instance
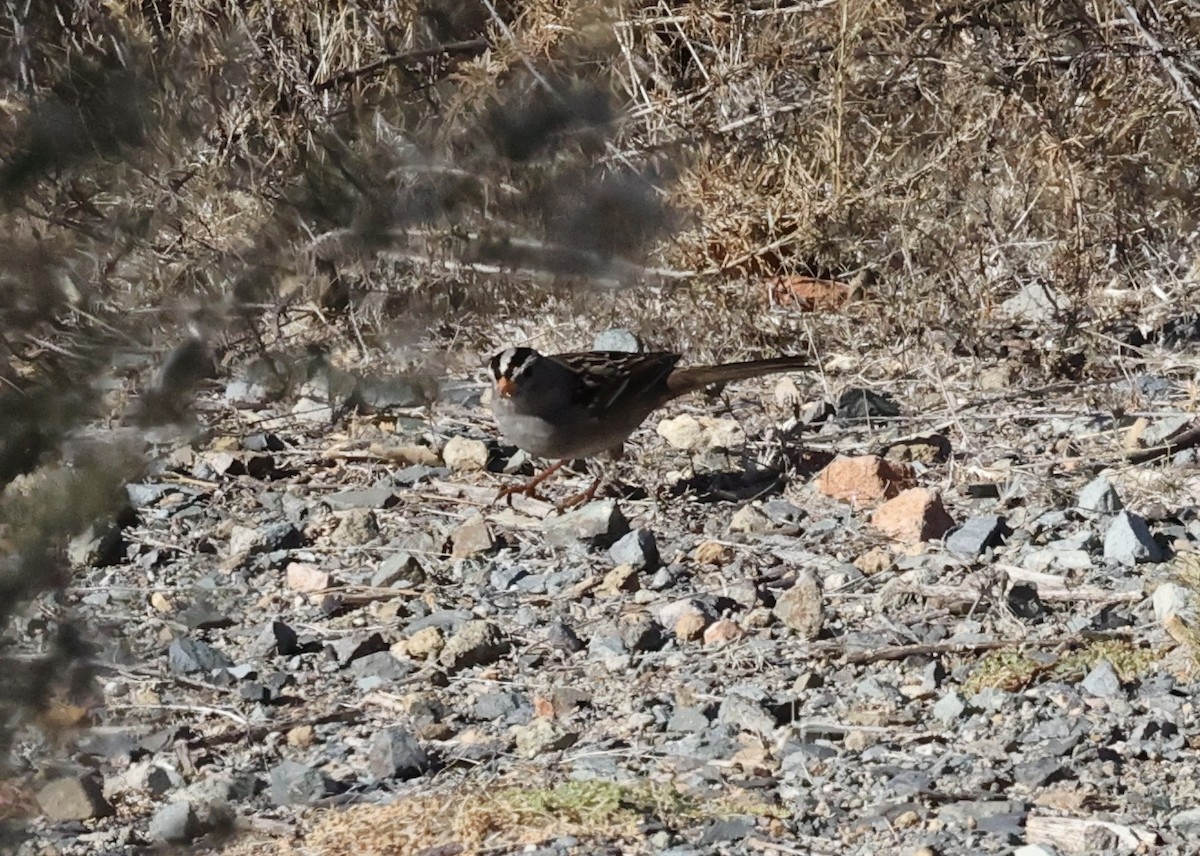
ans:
(578, 405)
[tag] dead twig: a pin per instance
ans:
(470, 46)
(1185, 440)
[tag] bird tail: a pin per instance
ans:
(683, 381)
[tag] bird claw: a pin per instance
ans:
(581, 498)
(528, 489)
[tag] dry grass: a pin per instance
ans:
(508, 816)
(1012, 669)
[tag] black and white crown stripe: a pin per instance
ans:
(512, 362)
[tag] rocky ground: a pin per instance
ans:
(938, 621)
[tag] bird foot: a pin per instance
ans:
(529, 488)
(581, 498)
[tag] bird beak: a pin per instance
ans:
(505, 387)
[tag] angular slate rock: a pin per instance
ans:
(186, 656)
(1128, 541)
(978, 534)
(396, 754)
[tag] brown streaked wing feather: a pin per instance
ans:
(608, 376)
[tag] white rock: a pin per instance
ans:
(1169, 599)
(1035, 301)
(787, 394)
(749, 519)
(462, 454)
(723, 433)
(313, 411)
(682, 432)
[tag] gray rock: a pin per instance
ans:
(637, 548)
(446, 619)
(203, 615)
(143, 494)
(1164, 427)
(1035, 850)
(476, 643)
(977, 534)
(382, 665)
(211, 798)
(247, 541)
(1157, 738)
(563, 638)
(74, 798)
(640, 632)
(261, 441)
(293, 783)
(186, 656)
(599, 524)
(782, 512)
(473, 537)
(727, 829)
(616, 339)
(746, 714)
(1057, 560)
(502, 579)
(1186, 823)
(396, 754)
(1128, 541)
(417, 473)
(367, 497)
(1102, 681)
(690, 720)
(555, 582)
(1038, 771)
(1048, 522)
(519, 461)
(355, 645)
(175, 823)
(398, 569)
(949, 708)
(662, 579)
(1099, 496)
(509, 708)
(610, 651)
(972, 813)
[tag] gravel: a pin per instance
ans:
(1020, 687)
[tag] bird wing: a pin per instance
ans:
(606, 377)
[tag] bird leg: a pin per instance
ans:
(581, 498)
(529, 488)
(602, 474)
